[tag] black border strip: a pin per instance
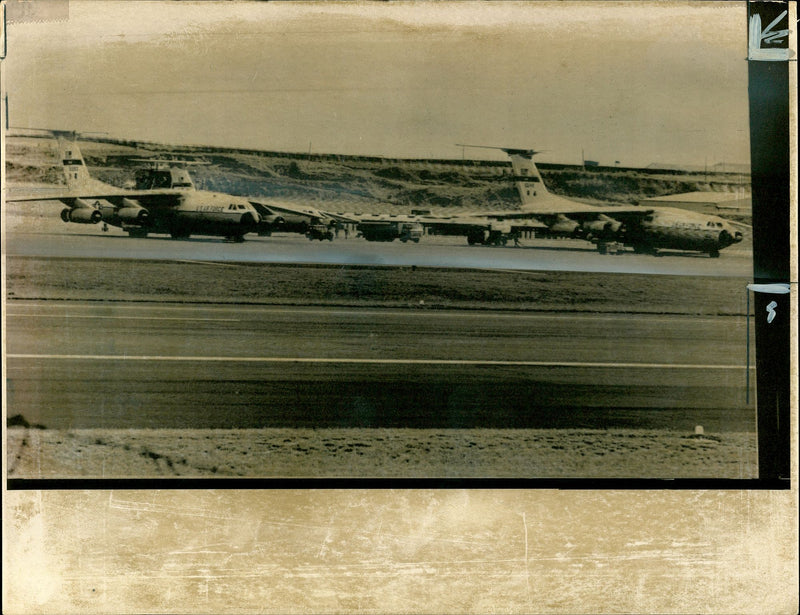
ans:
(22, 484)
(768, 92)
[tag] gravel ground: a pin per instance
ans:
(379, 453)
(40, 278)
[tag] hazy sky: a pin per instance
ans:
(638, 83)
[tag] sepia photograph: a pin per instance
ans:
(363, 242)
(414, 244)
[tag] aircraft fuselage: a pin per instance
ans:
(180, 215)
(679, 229)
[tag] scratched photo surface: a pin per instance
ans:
(284, 356)
(379, 241)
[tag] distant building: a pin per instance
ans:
(719, 167)
(660, 166)
(715, 203)
(730, 167)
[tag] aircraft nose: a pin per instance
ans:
(250, 219)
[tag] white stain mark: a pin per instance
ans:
(527, 571)
(327, 540)
(771, 311)
(768, 36)
(780, 288)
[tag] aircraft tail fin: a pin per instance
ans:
(530, 185)
(75, 172)
(532, 192)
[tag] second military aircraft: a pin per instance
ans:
(645, 229)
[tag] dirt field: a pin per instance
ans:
(369, 286)
(374, 453)
(367, 453)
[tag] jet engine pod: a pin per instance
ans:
(82, 215)
(603, 227)
(65, 214)
(564, 226)
(133, 214)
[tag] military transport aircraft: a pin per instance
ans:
(611, 228)
(165, 200)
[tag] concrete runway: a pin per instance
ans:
(82, 365)
(53, 238)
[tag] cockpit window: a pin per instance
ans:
(162, 179)
(143, 180)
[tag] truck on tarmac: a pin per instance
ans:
(389, 230)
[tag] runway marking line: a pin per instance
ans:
(130, 317)
(365, 312)
(208, 359)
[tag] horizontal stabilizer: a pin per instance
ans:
(526, 153)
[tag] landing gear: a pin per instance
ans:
(643, 249)
(179, 233)
(714, 254)
(487, 238)
(235, 238)
(138, 233)
(476, 238)
(610, 247)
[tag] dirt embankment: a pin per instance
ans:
(362, 181)
(368, 286)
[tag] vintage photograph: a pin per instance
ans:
(363, 241)
(387, 307)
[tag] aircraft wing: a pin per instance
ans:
(310, 212)
(577, 212)
(574, 211)
(68, 196)
(341, 217)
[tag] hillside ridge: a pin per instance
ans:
(369, 184)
